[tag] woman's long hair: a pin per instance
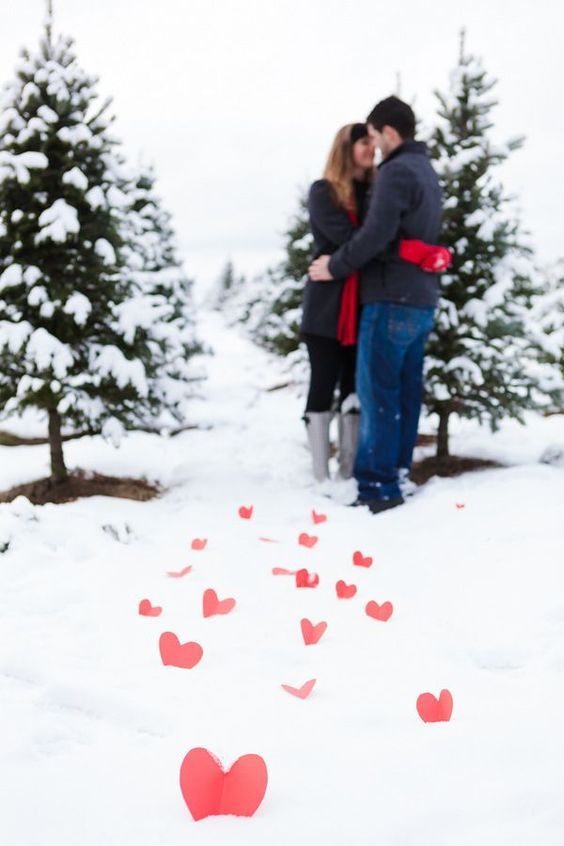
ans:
(339, 170)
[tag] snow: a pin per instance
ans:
(76, 178)
(19, 166)
(104, 249)
(94, 728)
(13, 275)
(96, 198)
(47, 351)
(110, 361)
(58, 222)
(79, 306)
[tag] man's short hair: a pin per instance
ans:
(393, 112)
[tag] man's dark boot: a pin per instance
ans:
(378, 505)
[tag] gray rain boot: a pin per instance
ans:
(317, 428)
(348, 440)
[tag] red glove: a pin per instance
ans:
(429, 257)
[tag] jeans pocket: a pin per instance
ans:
(404, 325)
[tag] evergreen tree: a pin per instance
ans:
(163, 293)
(482, 359)
(278, 317)
(81, 337)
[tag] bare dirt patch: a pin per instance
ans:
(79, 485)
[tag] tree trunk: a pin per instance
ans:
(442, 435)
(58, 469)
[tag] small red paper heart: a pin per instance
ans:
(381, 612)
(360, 561)
(246, 512)
(305, 579)
(318, 518)
(210, 791)
(310, 633)
(148, 610)
(281, 571)
(199, 543)
(301, 692)
(345, 591)
(212, 605)
(459, 505)
(176, 654)
(433, 710)
(306, 540)
(177, 574)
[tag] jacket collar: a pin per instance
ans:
(407, 147)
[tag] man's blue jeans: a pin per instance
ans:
(391, 348)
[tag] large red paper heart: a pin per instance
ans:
(301, 692)
(148, 610)
(213, 605)
(176, 654)
(199, 543)
(359, 560)
(345, 591)
(246, 512)
(310, 633)
(305, 579)
(318, 518)
(177, 574)
(210, 791)
(433, 710)
(306, 540)
(381, 612)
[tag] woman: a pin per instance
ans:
(336, 205)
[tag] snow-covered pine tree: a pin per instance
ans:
(80, 338)
(278, 328)
(482, 361)
(162, 292)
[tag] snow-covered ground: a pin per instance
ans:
(94, 728)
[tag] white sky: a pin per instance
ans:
(236, 103)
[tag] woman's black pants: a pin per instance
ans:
(331, 365)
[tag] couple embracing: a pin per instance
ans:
(370, 299)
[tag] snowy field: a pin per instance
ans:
(94, 727)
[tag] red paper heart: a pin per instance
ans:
(381, 612)
(310, 633)
(459, 505)
(360, 561)
(148, 610)
(305, 579)
(213, 605)
(433, 710)
(210, 791)
(345, 591)
(245, 513)
(281, 571)
(177, 574)
(199, 543)
(301, 692)
(176, 654)
(318, 518)
(306, 540)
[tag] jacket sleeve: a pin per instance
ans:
(330, 219)
(391, 198)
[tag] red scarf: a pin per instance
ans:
(348, 313)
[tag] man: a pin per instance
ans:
(398, 300)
